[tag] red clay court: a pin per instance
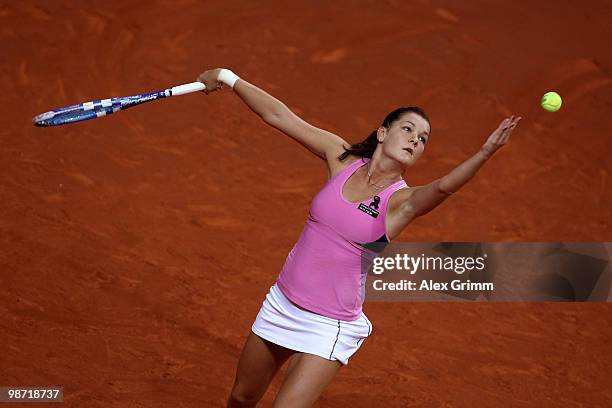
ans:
(135, 250)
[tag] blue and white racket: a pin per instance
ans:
(97, 109)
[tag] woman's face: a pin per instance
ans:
(405, 140)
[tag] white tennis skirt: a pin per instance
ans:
(282, 322)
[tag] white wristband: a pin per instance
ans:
(227, 77)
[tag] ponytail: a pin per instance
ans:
(362, 149)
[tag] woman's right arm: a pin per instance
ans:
(275, 113)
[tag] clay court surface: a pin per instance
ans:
(135, 250)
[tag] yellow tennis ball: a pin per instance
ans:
(551, 101)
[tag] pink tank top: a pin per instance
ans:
(322, 273)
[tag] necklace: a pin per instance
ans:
(370, 175)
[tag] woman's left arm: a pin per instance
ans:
(420, 200)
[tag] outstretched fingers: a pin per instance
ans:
(500, 136)
(509, 126)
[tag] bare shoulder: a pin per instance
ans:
(335, 166)
(396, 219)
(398, 198)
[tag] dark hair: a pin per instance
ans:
(367, 147)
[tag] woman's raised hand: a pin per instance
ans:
(210, 79)
(500, 136)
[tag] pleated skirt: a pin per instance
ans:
(282, 322)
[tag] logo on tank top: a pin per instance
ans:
(372, 209)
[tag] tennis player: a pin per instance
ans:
(312, 314)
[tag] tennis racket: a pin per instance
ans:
(97, 109)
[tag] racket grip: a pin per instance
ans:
(187, 88)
